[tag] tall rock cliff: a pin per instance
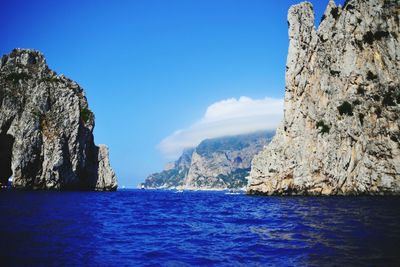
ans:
(217, 163)
(340, 133)
(46, 129)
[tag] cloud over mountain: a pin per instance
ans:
(227, 117)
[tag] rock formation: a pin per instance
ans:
(46, 129)
(214, 164)
(173, 175)
(340, 133)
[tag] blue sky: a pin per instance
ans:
(152, 67)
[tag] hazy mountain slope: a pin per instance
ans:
(214, 164)
(173, 175)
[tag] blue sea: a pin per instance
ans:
(164, 228)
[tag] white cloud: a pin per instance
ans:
(227, 117)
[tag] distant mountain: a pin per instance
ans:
(217, 163)
(173, 174)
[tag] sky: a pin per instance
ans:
(162, 74)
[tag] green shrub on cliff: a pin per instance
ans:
(86, 115)
(345, 109)
(16, 77)
(323, 128)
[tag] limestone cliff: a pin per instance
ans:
(217, 163)
(222, 163)
(173, 175)
(340, 133)
(46, 129)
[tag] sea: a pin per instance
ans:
(167, 228)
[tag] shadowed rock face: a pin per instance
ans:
(46, 139)
(340, 133)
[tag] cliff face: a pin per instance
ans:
(46, 139)
(173, 175)
(224, 162)
(340, 133)
(218, 163)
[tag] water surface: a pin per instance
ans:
(160, 228)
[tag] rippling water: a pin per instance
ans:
(196, 228)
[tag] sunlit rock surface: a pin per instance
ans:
(46, 129)
(340, 133)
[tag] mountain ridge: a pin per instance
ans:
(215, 164)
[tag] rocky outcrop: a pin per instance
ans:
(46, 129)
(340, 133)
(222, 163)
(214, 164)
(173, 175)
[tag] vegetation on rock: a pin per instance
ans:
(345, 109)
